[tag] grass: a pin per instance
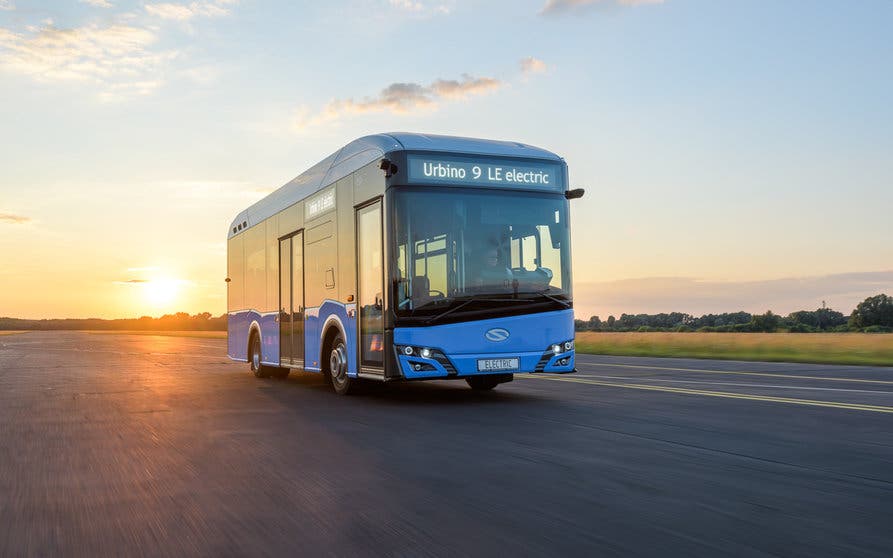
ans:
(819, 348)
(200, 334)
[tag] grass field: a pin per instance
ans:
(827, 348)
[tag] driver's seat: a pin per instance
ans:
(421, 290)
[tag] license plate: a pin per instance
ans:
(498, 364)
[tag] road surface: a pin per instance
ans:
(144, 445)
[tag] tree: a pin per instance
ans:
(767, 322)
(595, 323)
(823, 318)
(611, 321)
(873, 311)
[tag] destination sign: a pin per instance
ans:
(460, 171)
(320, 203)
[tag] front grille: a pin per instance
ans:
(544, 360)
(445, 362)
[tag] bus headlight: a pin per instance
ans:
(568, 345)
(407, 350)
(556, 349)
(426, 352)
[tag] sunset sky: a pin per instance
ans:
(736, 155)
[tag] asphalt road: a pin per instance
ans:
(142, 445)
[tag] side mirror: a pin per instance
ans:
(575, 193)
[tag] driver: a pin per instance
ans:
(493, 275)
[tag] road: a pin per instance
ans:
(145, 445)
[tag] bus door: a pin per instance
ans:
(291, 300)
(370, 291)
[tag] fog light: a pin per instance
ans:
(407, 350)
(568, 345)
(563, 362)
(417, 367)
(426, 353)
(556, 349)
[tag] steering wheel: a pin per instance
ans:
(433, 293)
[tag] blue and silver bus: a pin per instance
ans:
(407, 257)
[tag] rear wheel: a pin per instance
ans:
(337, 370)
(254, 358)
(262, 370)
(485, 383)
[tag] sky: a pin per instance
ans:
(736, 155)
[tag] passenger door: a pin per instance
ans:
(291, 300)
(370, 286)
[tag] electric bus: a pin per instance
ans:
(407, 257)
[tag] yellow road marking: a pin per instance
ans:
(732, 372)
(726, 394)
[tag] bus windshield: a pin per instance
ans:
(459, 251)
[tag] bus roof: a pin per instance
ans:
(364, 150)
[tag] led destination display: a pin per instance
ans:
(468, 171)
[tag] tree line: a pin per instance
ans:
(873, 315)
(181, 321)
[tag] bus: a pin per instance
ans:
(407, 257)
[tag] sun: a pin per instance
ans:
(160, 292)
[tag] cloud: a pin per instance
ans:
(419, 7)
(7, 5)
(98, 3)
(397, 97)
(560, 6)
(185, 12)
(467, 86)
(531, 65)
(131, 281)
(12, 219)
(402, 98)
(120, 58)
(682, 294)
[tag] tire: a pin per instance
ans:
(486, 383)
(337, 368)
(262, 370)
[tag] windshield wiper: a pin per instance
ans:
(565, 303)
(466, 303)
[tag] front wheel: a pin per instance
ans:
(337, 372)
(486, 383)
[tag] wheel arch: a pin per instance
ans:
(254, 329)
(332, 326)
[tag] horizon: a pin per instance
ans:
(853, 288)
(721, 172)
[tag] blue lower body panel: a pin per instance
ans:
(239, 326)
(460, 349)
(330, 313)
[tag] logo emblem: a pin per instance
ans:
(497, 334)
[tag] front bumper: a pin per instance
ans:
(465, 365)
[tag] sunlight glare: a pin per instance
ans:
(160, 292)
